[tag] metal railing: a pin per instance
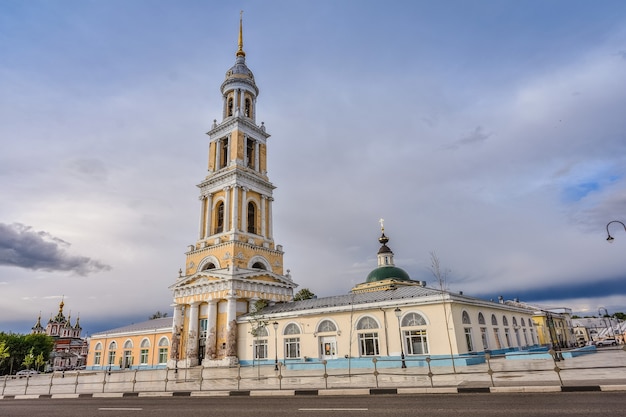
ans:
(604, 365)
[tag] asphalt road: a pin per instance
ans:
(573, 404)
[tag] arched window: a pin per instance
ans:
(163, 349)
(367, 323)
(481, 318)
(230, 107)
(224, 153)
(98, 346)
(505, 322)
(128, 344)
(143, 353)
(368, 337)
(259, 265)
(251, 217)
(494, 320)
(523, 322)
(514, 322)
(292, 344)
(466, 318)
(326, 326)
(413, 319)
(291, 328)
(219, 221)
(261, 331)
(250, 153)
(208, 266)
(113, 345)
(247, 107)
(145, 343)
(415, 341)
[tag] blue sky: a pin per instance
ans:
(491, 133)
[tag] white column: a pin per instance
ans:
(231, 314)
(192, 335)
(256, 156)
(244, 209)
(211, 334)
(202, 217)
(235, 212)
(209, 210)
(218, 153)
(225, 107)
(263, 228)
(242, 107)
(270, 232)
(177, 328)
(227, 209)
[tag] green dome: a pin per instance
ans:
(388, 272)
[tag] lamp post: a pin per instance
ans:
(398, 313)
(275, 326)
(610, 238)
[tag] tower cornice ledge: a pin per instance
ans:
(231, 123)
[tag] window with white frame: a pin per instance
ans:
(259, 346)
(368, 339)
(415, 339)
(292, 344)
(468, 339)
(97, 356)
(326, 326)
(164, 344)
(112, 349)
(416, 342)
(143, 353)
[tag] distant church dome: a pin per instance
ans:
(387, 272)
(386, 268)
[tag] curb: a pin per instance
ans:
(329, 392)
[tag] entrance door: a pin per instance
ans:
(328, 348)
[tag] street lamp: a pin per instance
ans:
(398, 313)
(275, 325)
(610, 238)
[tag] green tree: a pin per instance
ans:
(20, 346)
(303, 294)
(4, 352)
(29, 359)
(157, 315)
(40, 361)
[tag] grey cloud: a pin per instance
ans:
(23, 247)
(476, 136)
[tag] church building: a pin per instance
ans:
(233, 302)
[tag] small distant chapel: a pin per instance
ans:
(70, 350)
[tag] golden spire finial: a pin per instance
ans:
(382, 225)
(240, 51)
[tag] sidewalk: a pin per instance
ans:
(604, 370)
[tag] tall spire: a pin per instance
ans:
(240, 51)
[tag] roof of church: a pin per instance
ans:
(399, 293)
(147, 325)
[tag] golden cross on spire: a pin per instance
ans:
(382, 224)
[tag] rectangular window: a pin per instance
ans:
(468, 339)
(96, 358)
(162, 355)
(368, 344)
(483, 335)
(260, 349)
(111, 357)
(507, 337)
(292, 347)
(143, 357)
(416, 342)
(496, 335)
